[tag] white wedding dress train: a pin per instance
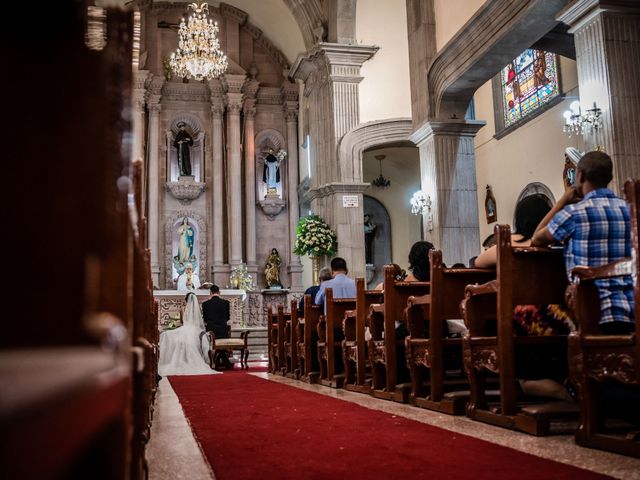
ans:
(185, 350)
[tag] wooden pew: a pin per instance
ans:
(275, 336)
(594, 357)
(429, 351)
(330, 349)
(354, 349)
(291, 342)
(525, 276)
(388, 368)
(307, 351)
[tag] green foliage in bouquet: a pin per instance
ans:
(315, 238)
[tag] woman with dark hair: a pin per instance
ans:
(529, 213)
(535, 320)
(419, 262)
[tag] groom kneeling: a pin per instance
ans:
(215, 312)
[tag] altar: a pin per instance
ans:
(170, 302)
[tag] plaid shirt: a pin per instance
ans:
(597, 231)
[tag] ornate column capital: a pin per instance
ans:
(154, 108)
(217, 109)
(582, 12)
(249, 108)
(234, 103)
(459, 128)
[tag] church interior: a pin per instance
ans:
(252, 150)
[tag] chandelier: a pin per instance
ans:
(381, 181)
(198, 55)
(578, 123)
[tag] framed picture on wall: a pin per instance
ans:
(490, 207)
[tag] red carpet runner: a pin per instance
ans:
(252, 428)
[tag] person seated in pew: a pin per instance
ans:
(323, 275)
(595, 226)
(343, 286)
(419, 265)
(535, 320)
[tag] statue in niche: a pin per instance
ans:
(490, 206)
(183, 144)
(571, 158)
(271, 171)
(272, 270)
(369, 235)
(184, 255)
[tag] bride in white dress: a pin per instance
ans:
(185, 350)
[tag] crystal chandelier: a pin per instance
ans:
(381, 181)
(578, 123)
(198, 55)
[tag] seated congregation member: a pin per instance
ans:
(343, 286)
(323, 275)
(419, 265)
(595, 226)
(216, 316)
(184, 350)
(535, 320)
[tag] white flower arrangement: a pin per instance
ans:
(315, 238)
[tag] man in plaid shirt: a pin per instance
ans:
(595, 226)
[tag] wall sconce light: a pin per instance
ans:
(421, 204)
(578, 123)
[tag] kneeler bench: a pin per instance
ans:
(229, 344)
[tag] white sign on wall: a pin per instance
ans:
(350, 201)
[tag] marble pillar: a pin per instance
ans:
(607, 40)
(331, 73)
(250, 183)
(234, 155)
(217, 109)
(291, 117)
(448, 176)
(154, 198)
(139, 103)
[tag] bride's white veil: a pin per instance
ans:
(192, 314)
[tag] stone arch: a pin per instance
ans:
(368, 135)
(194, 125)
(382, 240)
(498, 32)
(311, 20)
(269, 138)
(201, 233)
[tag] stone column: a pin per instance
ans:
(154, 197)
(251, 89)
(290, 93)
(448, 176)
(234, 154)
(607, 39)
(331, 73)
(139, 103)
(217, 232)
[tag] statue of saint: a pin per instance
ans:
(185, 242)
(271, 172)
(272, 270)
(183, 143)
(369, 235)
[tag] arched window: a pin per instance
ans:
(523, 87)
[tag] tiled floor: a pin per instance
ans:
(173, 452)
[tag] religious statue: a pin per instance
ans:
(571, 158)
(188, 280)
(369, 235)
(490, 206)
(185, 242)
(183, 143)
(272, 270)
(271, 172)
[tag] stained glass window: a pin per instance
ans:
(528, 82)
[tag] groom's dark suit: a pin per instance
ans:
(216, 315)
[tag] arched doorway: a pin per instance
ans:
(381, 241)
